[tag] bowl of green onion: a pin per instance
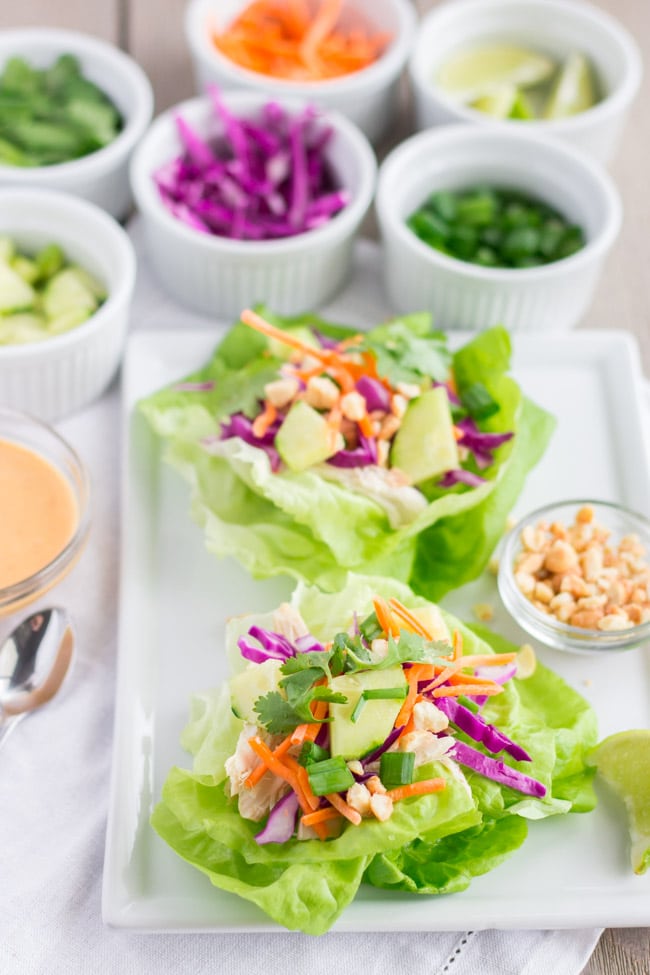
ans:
(486, 226)
(72, 110)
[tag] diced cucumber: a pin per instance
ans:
(25, 267)
(67, 291)
(7, 249)
(251, 683)
(304, 439)
(22, 327)
(67, 320)
(424, 446)
(49, 260)
(15, 293)
(375, 722)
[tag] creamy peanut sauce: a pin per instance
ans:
(38, 513)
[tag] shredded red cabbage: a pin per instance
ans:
(482, 445)
(496, 770)
(375, 394)
(361, 456)
(241, 426)
(308, 644)
(498, 674)
(478, 729)
(281, 824)
(378, 752)
(265, 178)
(460, 476)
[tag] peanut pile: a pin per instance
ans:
(577, 575)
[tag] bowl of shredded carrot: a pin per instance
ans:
(345, 55)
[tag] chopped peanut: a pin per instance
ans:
(353, 406)
(579, 575)
(281, 392)
(322, 393)
(381, 806)
(483, 612)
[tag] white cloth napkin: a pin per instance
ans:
(54, 780)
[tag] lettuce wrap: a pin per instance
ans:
(319, 522)
(432, 843)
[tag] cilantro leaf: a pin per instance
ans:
(404, 354)
(276, 714)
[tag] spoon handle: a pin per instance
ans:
(8, 726)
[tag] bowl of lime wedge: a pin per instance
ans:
(560, 68)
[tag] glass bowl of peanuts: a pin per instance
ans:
(576, 576)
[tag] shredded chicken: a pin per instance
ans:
(389, 488)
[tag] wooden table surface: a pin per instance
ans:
(151, 31)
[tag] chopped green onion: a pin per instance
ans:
(396, 768)
(358, 708)
(311, 752)
(386, 693)
(478, 402)
(468, 703)
(377, 694)
(331, 775)
(494, 227)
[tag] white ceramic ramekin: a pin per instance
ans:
(219, 276)
(463, 295)
(57, 376)
(102, 177)
(555, 27)
(368, 97)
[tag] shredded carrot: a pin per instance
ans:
(341, 806)
(320, 816)
(272, 763)
(488, 659)
(385, 617)
(412, 622)
(259, 772)
(457, 644)
(253, 320)
(300, 41)
(263, 421)
(406, 710)
(455, 690)
(423, 788)
(303, 781)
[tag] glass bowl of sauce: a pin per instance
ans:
(44, 509)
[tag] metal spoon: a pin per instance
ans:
(34, 660)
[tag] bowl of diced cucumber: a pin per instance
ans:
(72, 110)
(67, 272)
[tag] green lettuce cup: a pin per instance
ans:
(425, 504)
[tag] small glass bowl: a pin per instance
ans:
(28, 432)
(545, 627)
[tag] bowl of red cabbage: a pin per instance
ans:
(248, 200)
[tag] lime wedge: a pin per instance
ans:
(498, 103)
(480, 71)
(623, 762)
(574, 90)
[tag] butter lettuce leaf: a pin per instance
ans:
(316, 529)
(432, 844)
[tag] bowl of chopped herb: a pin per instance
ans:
(482, 226)
(72, 109)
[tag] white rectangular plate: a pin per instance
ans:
(572, 871)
